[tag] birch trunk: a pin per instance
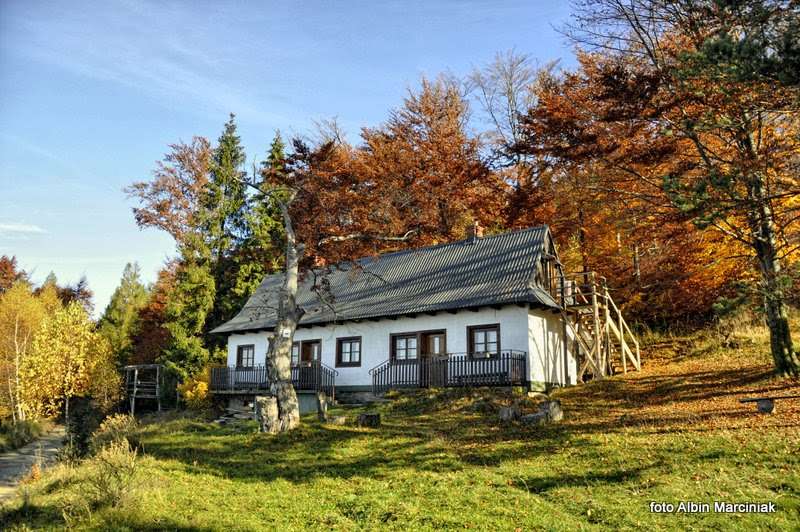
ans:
(280, 345)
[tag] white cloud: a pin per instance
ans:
(137, 45)
(20, 229)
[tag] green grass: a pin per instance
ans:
(441, 460)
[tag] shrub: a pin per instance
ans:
(15, 435)
(84, 419)
(113, 473)
(195, 390)
(115, 429)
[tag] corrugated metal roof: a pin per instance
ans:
(493, 270)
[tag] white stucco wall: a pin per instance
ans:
(535, 332)
(546, 348)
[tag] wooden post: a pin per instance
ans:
(158, 386)
(135, 385)
(564, 316)
(622, 344)
(606, 331)
(322, 406)
(597, 332)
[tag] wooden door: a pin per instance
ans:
(308, 370)
(433, 362)
(310, 352)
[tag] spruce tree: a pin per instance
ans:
(224, 218)
(262, 251)
(120, 319)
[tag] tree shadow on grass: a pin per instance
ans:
(51, 515)
(414, 444)
(546, 483)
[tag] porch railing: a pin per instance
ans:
(508, 368)
(314, 376)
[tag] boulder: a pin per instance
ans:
(552, 409)
(538, 396)
(369, 419)
(336, 420)
(549, 412)
(539, 418)
(509, 413)
(765, 406)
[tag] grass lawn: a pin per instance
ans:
(674, 432)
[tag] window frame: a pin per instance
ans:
(292, 361)
(472, 329)
(393, 347)
(240, 358)
(350, 340)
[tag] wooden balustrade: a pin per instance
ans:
(310, 377)
(508, 368)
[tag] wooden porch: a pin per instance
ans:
(508, 368)
(313, 376)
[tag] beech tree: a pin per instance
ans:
(719, 80)
(176, 201)
(423, 163)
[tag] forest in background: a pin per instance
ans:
(667, 162)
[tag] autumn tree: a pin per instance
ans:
(176, 201)
(66, 354)
(151, 338)
(121, 317)
(21, 316)
(10, 272)
(718, 80)
(429, 167)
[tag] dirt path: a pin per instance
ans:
(16, 464)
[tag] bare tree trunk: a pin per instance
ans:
(763, 232)
(280, 345)
(17, 399)
(11, 398)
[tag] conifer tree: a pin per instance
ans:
(224, 220)
(120, 319)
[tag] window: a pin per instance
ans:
(404, 347)
(348, 351)
(245, 356)
(295, 353)
(484, 340)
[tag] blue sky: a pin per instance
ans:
(91, 93)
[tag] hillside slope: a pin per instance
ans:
(674, 432)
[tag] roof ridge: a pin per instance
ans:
(452, 243)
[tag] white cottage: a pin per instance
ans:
(480, 311)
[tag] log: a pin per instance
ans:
(267, 414)
(369, 419)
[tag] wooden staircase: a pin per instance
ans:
(603, 343)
